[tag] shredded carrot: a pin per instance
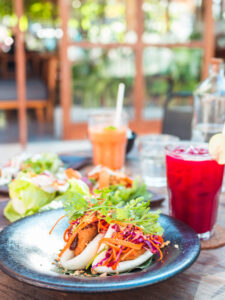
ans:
(122, 243)
(160, 239)
(157, 247)
(112, 246)
(75, 232)
(119, 223)
(125, 224)
(56, 223)
(66, 233)
(71, 173)
(126, 254)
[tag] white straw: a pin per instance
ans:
(119, 104)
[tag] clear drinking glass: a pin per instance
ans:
(108, 140)
(194, 182)
(152, 156)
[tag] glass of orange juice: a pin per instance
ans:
(108, 140)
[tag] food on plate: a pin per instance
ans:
(102, 177)
(29, 192)
(106, 235)
(76, 186)
(120, 186)
(118, 192)
(36, 164)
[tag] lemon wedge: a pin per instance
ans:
(217, 148)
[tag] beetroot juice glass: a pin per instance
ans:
(194, 184)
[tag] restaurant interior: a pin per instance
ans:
(160, 50)
(112, 149)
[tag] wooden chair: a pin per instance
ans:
(177, 119)
(40, 95)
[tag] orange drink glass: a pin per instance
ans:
(108, 140)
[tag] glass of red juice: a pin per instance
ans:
(194, 183)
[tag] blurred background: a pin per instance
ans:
(61, 60)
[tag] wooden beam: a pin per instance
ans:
(79, 130)
(90, 45)
(20, 74)
(209, 40)
(192, 44)
(139, 85)
(65, 76)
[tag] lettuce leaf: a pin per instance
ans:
(77, 189)
(122, 193)
(26, 199)
(43, 162)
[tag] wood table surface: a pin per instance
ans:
(205, 279)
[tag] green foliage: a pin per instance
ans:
(185, 68)
(92, 86)
(94, 17)
(35, 11)
(40, 10)
(181, 73)
(6, 8)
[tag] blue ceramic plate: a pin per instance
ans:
(27, 252)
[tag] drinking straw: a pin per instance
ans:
(119, 104)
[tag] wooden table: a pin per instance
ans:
(205, 279)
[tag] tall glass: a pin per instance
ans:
(108, 140)
(194, 183)
(152, 158)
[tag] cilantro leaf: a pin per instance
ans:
(76, 205)
(116, 203)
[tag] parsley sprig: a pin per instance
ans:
(112, 204)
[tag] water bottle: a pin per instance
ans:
(209, 104)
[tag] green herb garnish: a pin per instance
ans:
(46, 161)
(117, 204)
(110, 128)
